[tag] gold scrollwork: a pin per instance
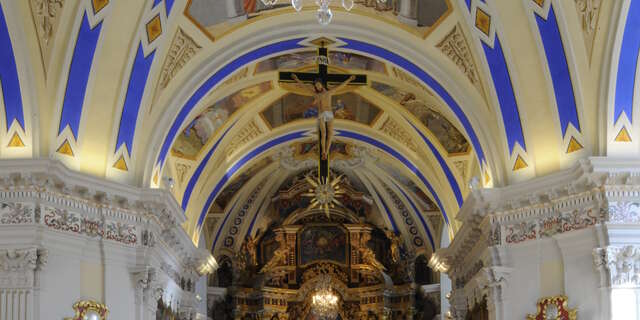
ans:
(89, 310)
(554, 308)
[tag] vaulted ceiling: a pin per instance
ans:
(184, 95)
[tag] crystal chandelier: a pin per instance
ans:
(324, 302)
(324, 13)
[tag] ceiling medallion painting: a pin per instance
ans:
(218, 19)
(196, 135)
(339, 59)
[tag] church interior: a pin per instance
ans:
(319, 159)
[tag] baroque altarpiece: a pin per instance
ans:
(276, 272)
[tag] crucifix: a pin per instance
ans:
(322, 94)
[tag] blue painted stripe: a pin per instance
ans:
(386, 208)
(468, 2)
(133, 98)
(506, 95)
(226, 216)
(559, 69)
(169, 5)
(427, 79)
(240, 163)
(155, 3)
(443, 164)
(628, 64)
(216, 78)
(417, 213)
(79, 72)
(399, 157)
(13, 109)
(196, 174)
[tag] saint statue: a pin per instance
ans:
(395, 245)
(322, 100)
(279, 256)
(251, 244)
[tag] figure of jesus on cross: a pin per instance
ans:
(322, 100)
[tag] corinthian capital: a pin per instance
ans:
(619, 265)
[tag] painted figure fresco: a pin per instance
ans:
(308, 58)
(205, 125)
(348, 106)
(451, 139)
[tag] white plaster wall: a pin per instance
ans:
(445, 282)
(119, 292)
(553, 266)
(59, 286)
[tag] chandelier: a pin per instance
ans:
(324, 302)
(324, 13)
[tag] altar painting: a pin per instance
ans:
(205, 125)
(323, 243)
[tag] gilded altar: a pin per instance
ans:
(276, 273)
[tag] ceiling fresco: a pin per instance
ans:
(204, 126)
(308, 58)
(237, 183)
(451, 139)
(292, 107)
(425, 16)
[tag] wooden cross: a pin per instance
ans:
(326, 78)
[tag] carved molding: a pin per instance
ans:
(182, 49)
(391, 128)
(16, 213)
(455, 47)
(246, 134)
(46, 17)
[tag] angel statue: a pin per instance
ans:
(322, 100)
(367, 256)
(279, 256)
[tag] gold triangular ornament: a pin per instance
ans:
(486, 177)
(121, 164)
(15, 141)
(623, 135)
(520, 164)
(65, 148)
(155, 178)
(574, 145)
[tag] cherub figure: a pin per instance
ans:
(322, 100)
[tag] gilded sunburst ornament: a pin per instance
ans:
(324, 194)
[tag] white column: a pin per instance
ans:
(445, 282)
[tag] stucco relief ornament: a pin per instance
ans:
(554, 308)
(15, 213)
(624, 212)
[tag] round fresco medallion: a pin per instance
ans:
(413, 230)
(228, 241)
(233, 230)
(242, 213)
(418, 241)
(405, 213)
(237, 221)
(408, 221)
(245, 207)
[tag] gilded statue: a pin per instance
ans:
(396, 242)
(367, 255)
(279, 256)
(251, 247)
